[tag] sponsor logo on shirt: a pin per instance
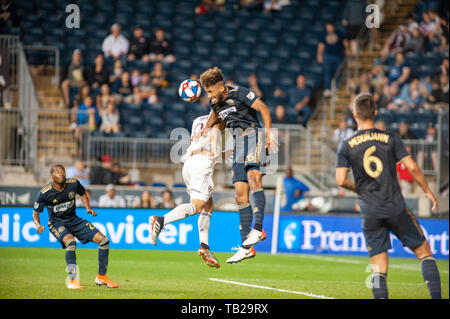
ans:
(227, 112)
(64, 206)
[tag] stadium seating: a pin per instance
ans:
(276, 47)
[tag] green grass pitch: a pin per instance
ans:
(27, 273)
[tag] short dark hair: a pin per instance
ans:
(365, 106)
(211, 77)
(54, 167)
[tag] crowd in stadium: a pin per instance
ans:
(410, 79)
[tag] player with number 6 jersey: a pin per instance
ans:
(373, 155)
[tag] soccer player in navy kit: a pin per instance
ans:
(65, 225)
(372, 154)
(237, 107)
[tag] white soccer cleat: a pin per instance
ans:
(156, 224)
(241, 254)
(254, 237)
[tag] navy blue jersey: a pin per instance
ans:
(60, 204)
(373, 154)
(235, 110)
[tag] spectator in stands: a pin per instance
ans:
(74, 75)
(380, 125)
(410, 94)
(85, 117)
(443, 68)
(161, 48)
(342, 132)
(396, 42)
(99, 73)
(253, 85)
(250, 5)
(8, 16)
(294, 190)
(123, 89)
(430, 25)
(415, 42)
(353, 19)
(139, 46)
(158, 76)
(299, 98)
(78, 171)
(103, 175)
(115, 45)
(365, 85)
(430, 153)
(111, 199)
(146, 201)
(92, 201)
(275, 5)
(110, 119)
(399, 72)
(120, 178)
(404, 133)
(210, 5)
(389, 95)
(116, 72)
(135, 77)
(103, 98)
(167, 200)
(329, 53)
(83, 92)
(280, 115)
(405, 178)
(444, 88)
(412, 23)
(145, 91)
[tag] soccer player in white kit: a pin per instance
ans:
(198, 168)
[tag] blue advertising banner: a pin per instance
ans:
(343, 236)
(129, 229)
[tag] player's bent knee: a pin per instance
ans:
(104, 243)
(71, 245)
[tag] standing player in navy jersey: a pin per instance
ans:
(373, 154)
(65, 225)
(237, 107)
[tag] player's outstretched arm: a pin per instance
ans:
(85, 201)
(37, 222)
(342, 179)
(271, 142)
(418, 176)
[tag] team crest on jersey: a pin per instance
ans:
(55, 201)
(230, 102)
(71, 195)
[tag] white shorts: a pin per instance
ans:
(197, 175)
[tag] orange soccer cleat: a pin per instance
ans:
(74, 284)
(104, 280)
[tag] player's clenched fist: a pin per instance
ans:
(92, 212)
(40, 228)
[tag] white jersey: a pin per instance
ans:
(204, 143)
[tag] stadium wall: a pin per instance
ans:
(302, 234)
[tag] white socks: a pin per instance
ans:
(203, 227)
(180, 212)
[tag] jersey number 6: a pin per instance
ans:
(369, 159)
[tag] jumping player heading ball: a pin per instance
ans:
(237, 108)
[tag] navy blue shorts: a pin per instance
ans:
(249, 153)
(404, 226)
(80, 228)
